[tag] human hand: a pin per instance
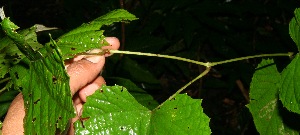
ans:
(84, 81)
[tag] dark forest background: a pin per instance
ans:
(203, 30)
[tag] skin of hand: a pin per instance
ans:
(84, 81)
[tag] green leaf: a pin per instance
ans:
(132, 69)
(8, 96)
(264, 104)
(1, 127)
(4, 108)
(5, 100)
(114, 111)
(46, 92)
(294, 28)
(10, 53)
(290, 86)
(47, 95)
(9, 29)
(181, 115)
(139, 94)
(88, 36)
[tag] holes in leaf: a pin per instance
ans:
(59, 118)
(101, 91)
(175, 108)
(35, 102)
(33, 120)
(54, 79)
(122, 89)
(122, 128)
(173, 99)
(16, 75)
(73, 49)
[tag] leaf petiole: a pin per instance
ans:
(188, 84)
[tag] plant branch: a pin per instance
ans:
(188, 84)
(250, 57)
(3, 89)
(162, 56)
(4, 80)
(206, 64)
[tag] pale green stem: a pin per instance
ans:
(206, 64)
(188, 84)
(3, 89)
(4, 80)
(160, 55)
(250, 57)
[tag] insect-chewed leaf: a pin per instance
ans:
(47, 95)
(9, 52)
(112, 110)
(88, 36)
(45, 86)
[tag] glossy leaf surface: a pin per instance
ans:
(112, 110)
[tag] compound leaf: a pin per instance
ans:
(264, 104)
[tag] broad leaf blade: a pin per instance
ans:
(264, 104)
(180, 116)
(47, 95)
(139, 94)
(294, 28)
(10, 53)
(88, 36)
(114, 111)
(290, 86)
(46, 92)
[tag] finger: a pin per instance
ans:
(91, 88)
(78, 108)
(114, 44)
(13, 122)
(76, 99)
(83, 72)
